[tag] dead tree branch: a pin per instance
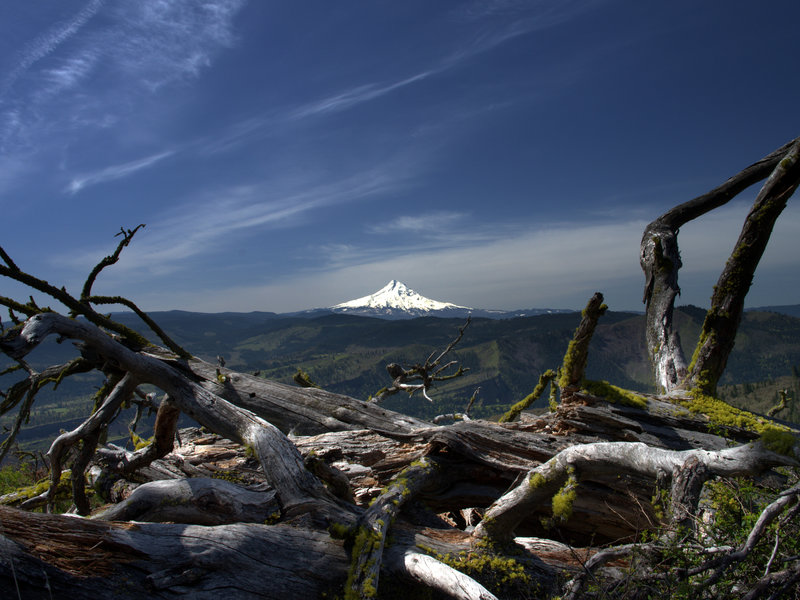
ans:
(421, 377)
(660, 261)
(514, 412)
(558, 477)
(727, 302)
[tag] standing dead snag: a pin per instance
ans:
(727, 302)
(660, 261)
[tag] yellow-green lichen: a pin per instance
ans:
(339, 531)
(140, 442)
(365, 541)
(41, 487)
(514, 412)
(779, 441)
(570, 358)
(723, 414)
(704, 381)
(553, 401)
(537, 480)
(614, 394)
(564, 499)
(502, 575)
(273, 518)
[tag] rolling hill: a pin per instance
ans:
(348, 354)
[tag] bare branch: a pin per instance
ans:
(177, 349)
(164, 432)
(88, 431)
(127, 236)
(28, 388)
(7, 259)
(608, 459)
(767, 516)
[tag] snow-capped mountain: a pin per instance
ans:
(397, 301)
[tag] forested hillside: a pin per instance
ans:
(348, 354)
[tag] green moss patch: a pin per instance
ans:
(779, 441)
(565, 498)
(502, 575)
(720, 412)
(614, 394)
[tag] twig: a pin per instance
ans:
(127, 236)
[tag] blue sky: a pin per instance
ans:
(287, 155)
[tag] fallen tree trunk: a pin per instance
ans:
(558, 478)
(53, 556)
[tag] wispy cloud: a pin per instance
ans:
(533, 268)
(48, 42)
(137, 48)
(514, 18)
(170, 39)
(434, 222)
(554, 265)
(222, 216)
(115, 172)
(530, 17)
(355, 96)
(557, 265)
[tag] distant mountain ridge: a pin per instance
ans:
(793, 310)
(396, 300)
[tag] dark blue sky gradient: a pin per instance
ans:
(291, 155)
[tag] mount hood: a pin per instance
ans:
(395, 300)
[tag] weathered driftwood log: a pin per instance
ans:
(484, 460)
(302, 411)
(54, 556)
(198, 501)
(557, 479)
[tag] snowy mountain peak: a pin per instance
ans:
(396, 299)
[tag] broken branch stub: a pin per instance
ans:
(574, 365)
